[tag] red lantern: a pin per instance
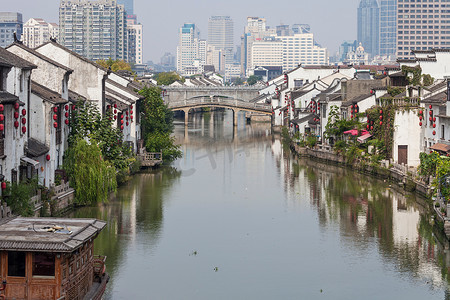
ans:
(47, 157)
(66, 121)
(368, 127)
(73, 107)
(420, 123)
(121, 121)
(368, 121)
(2, 107)
(127, 123)
(16, 105)
(24, 121)
(381, 112)
(2, 127)
(292, 125)
(126, 118)
(420, 112)
(115, 111)
(2, 117)
(24, 112)
(55, 124)
(55, 117)
(431, 112)
(431, 119)
(55, 109)
(16, 124)
(371, 127)
(434, 119)
(66, 114)
(24, 129)
(115, 117)
(434, 132)
(115, 105)
(431, 106)
(121, 127)
(381, 117)
(434, 125)
(381, 123)
(420, 118)
(66, 107)
(131, 118)
(126, 112)
(121, 116)
(3, 185)
(16, 115)
(131, 112)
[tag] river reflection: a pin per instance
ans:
(238, 217)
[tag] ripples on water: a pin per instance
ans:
(239, 218)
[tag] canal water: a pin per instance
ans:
(238, 217)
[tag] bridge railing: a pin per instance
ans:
(220, 101)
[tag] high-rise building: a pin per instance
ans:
(190, 49)
(94, 29)
(128, 5)
(135, 40)
(36, 32)
(301, 28)
(301, 49)
(388, 27)
(255, 30)
(369, 26)
(422, 26)
(10, 23)
(346, 47)
(268, 52)
(220, 35)
(283, 30)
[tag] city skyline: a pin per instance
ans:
(160, 38)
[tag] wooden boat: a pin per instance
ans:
(51, 258)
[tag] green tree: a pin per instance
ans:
(167, 78)
(17, 196)
(92, 176)
(253, 79)
(115, 65)
(157, 124)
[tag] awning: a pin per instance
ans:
(30, 161)
(363, 138)
(440, 147)
(355, 132)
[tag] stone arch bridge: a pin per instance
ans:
(235, 98)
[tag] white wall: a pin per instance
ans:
(408, 132)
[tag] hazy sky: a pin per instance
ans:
(331, 21)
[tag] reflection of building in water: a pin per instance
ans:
(369, 214)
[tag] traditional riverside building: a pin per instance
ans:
(15, 90)
(49, 112)
(106, 89)
(51, 258)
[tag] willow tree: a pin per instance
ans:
(93, 177)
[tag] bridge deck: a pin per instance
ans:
(220, 102)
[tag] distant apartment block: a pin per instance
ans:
(301, 49)
(268, 52)
(422, 26)
(94, 29)
(388, 27)
(135, 40)
(191, 49)
(36, 32)
(369, 26)
(221, 34)
(10, 23)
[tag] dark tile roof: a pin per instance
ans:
(35, 148)
(74, 54)
(438, 98)
(14, 60)
(115, 96)
(356, 100)
(125, 89)
(438, 86)
(34, 234)
(75, 97)
(426, 59)
(47, 94)
(41, 56)
(7, 98)
(303, 120)
(4, 63)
